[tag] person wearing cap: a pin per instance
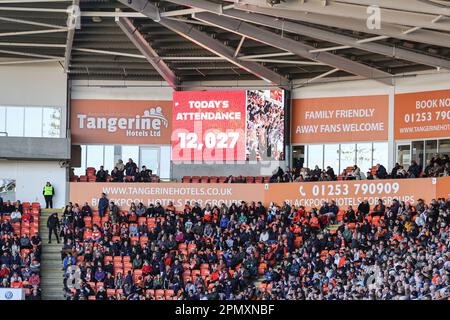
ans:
(48, 193)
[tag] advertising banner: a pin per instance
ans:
(208, 125)
(345, 193)
(443, 188)
(8, 294)
(307, 194)
(123, 194)
(340, 119)
(121, 121)
(228, 125)
(422, 115)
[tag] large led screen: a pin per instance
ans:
(228, 125)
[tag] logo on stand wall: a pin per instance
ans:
(118, 121)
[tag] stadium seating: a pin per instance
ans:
(210, 262)
(17, 233)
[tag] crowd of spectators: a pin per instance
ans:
(438, 166)
(20, 247)
(248, 251)
(265, 127)
(122, 172)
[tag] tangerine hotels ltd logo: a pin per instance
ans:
(149, 124)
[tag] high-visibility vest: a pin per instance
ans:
(48, 191)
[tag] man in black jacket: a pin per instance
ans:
(130, 168)
(414, 170)
(101, 175)
(53, 226)
(381, 171)
(145, 175)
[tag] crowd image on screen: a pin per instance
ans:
(20, 247)
(265, 126)
(250, 251)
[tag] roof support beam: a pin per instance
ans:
(241, 42)
(145, 7)
(23, 33)
(74, 22)
(343, 40)
(150, 54)
(30, 1)
(31, 45)
(389, 30)
(201, 4)
(205, 41)
(359, 12)
(27, 54)
(323, 75)
(33, 23)
(403, 5)
(218, 48)
(29, 61)
(23, 9)
(298, 48)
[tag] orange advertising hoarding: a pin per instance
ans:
(443, 188)
(345, 193)
(123, 194)
(307, 194)
(422, 115)
(340, 119)
(121, 121)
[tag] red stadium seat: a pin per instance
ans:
(213, 179)
(186, 179)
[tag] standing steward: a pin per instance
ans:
(48, 193)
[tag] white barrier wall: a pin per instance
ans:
(31, 177)
(35, 85)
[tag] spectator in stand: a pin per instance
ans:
(315, 174)
(117, 175)
(18, 206)
(103, 205)
(86, 210)
(330, 173)
(277, 175)
(101, 175)
(145, 175)
(48, 193)
(120, 165)
(414, 170)
(364, 208)
(16, 216)
(395, 170)
(446, 172)
(379, 208)
(9, 208)
(356, 173)
(130, 168)
(381, 171)
(114, 212)
(53, 227)
(436, 171)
